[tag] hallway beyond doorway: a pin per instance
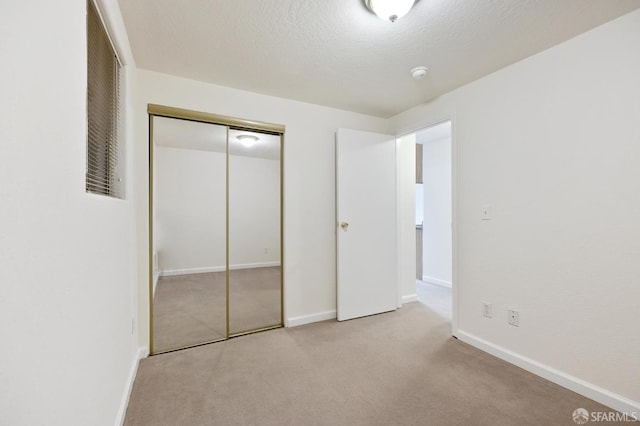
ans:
(436, 297)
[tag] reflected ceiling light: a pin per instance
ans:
(390, 10)
(248, 140)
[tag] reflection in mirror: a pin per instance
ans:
(189, 233)
(255, 284)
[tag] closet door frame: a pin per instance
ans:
(155, 110)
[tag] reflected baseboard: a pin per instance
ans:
(156, 277)
(206, 269)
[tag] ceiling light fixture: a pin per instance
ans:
(418, 73)
(390, 10)
(248, 140)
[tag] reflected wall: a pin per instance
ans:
(215, 232)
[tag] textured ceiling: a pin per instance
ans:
(337, 53)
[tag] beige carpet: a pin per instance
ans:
(191, 309)
(399, 368)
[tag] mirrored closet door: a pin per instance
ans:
(254, 231)
(215, 228)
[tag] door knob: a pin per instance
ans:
(344, 225)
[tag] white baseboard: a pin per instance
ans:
(436, 281)
(409, 298)
(598, 394)
(308, 319)
(133, 371)
(203, 270)
(143, 352)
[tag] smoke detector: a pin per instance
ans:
(418, 73)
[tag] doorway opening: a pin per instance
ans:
(434, 239)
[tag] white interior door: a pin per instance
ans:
(366, 223)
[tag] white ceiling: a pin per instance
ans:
(337, 53)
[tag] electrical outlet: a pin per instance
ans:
(514, 317)
(487, 212)
(487, 310)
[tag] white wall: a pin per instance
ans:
(190, 211)
(254, 212)
(309, 195)
(66, 257)
(553, 142)
(436, 231)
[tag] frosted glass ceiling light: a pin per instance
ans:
(248, 140)
(390, 10)
(418, 73)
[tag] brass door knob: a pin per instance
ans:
(344, 225)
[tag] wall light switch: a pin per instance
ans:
(487, 212)
(487, 310)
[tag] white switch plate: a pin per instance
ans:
(487, 310)
(487, 212)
